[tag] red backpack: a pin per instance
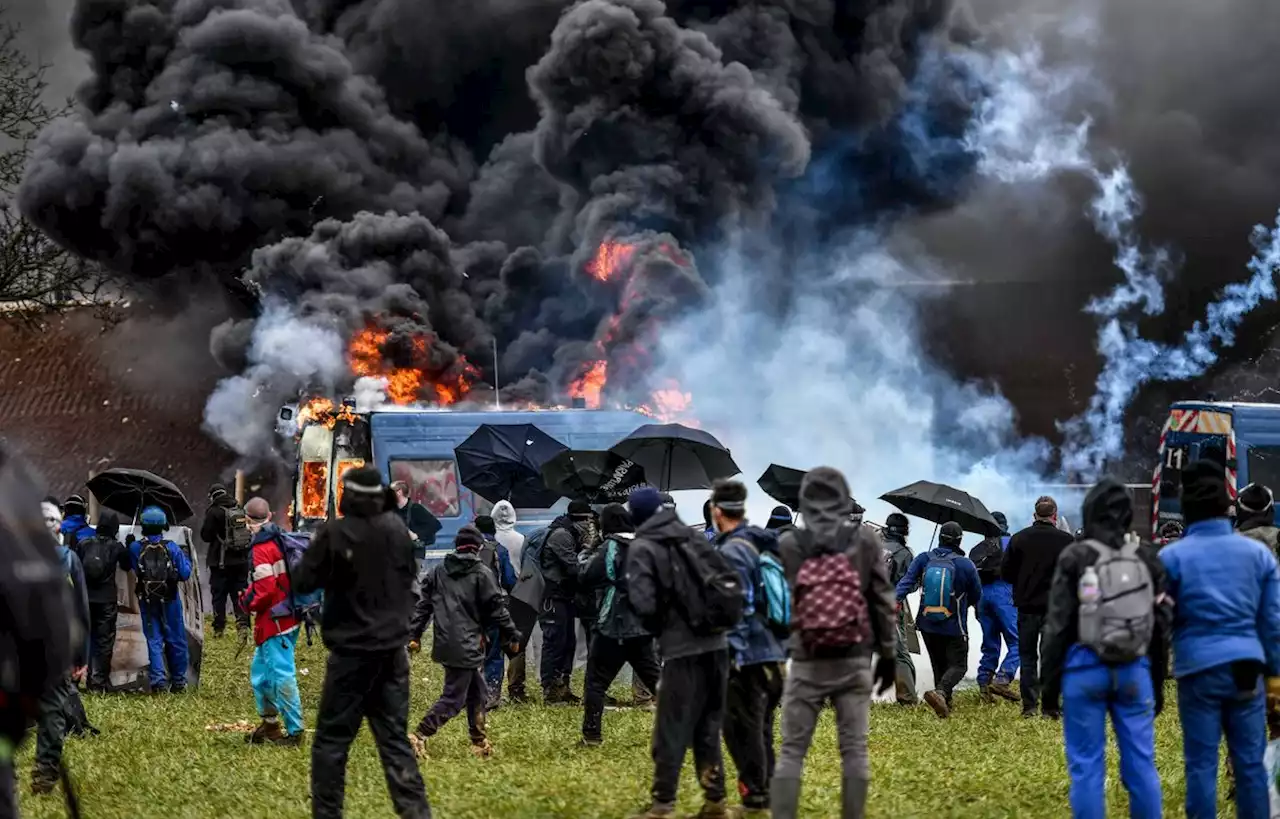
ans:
(830, 607)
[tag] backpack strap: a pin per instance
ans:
(1130, 547)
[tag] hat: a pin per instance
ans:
(216, 491)
(108, 524)
(257, 510)
(897, 520)
(951, 533)
(668, 502)
(644, 502)
(1002, 520)
(615, 518)
(365, 480)
(74, 505)
(1256, 499)
(779, 517)
(468, 539)
(1204, 491)
(1046, 508)
(486, 525)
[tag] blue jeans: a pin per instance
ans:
(1089, 694)
(274, 678)
(493, 663)
(1209, 704)
(999, 619)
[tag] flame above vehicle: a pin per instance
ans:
(422, 380)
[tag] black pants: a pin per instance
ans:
(752, 703)
(51, 724)
(559, 642)
(605, 659)
(1030, 624)
(949, 657)
(8, 793)
(228, 582)
(691, 705)
(463, 688)
(102, 633)
(375, 687)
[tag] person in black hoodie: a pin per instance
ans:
(462, 597)
(1028, 566)
(364, 563)
(228, 566)
(559, 563)
(101, 555)
(695, 672)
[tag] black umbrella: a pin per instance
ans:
(677, 457)
(128, 491)
(782, 483)
(939, 503)
(591, 475)
(504, 462)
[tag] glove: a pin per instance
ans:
(886, 674)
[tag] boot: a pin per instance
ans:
(657, 811)
(43, 779)
(853, 797)
(264, 733)
(784, 798)
(984, 694)
(517, 696)
(1004, 692)
(481, 749)
(938, 703)
(713, 810)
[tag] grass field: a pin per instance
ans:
(155, 758)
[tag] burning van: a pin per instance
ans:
(416, 445)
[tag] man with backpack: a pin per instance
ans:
(755, 644)
(687, 593)
(226, 531)
(1104, 646)
(364, 562)
(75, 522)
(949, 585)
(461, 598)
(160, 566)
(898, 557)
(273, 672)
(997, 616)
(1028, 566)
(842, 614)
(101, 555)
(558, 561)
(496, 558)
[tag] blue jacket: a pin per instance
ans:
(180, 561)
(751, 641)
(967, 590)
(1226, 599)
(75, 529)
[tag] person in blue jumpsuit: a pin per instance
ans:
(997, 616)
(162, 623)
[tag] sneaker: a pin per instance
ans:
(1004, 692)
(656, 811)
(482, 749)
(43, 780)
(264, 733)
(938, 703)
(290, 740)
(713, 810)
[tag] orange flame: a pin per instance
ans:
(321, 410)
(590, 384)
(669, 404)
(343, 468)
(610, 256)
(406, 385)
(315, 497)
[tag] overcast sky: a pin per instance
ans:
(46, 39)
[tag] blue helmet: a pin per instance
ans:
(154, 517)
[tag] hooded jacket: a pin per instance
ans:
(462, 600)
(825, 506)
(106, 540)
(605, 573)
(364, 563)
(504, 518)
(897, 555)
(752, 641)
(559, 558)
(1029, 561)
(651, 586)
(213, 531)
(1108, 515)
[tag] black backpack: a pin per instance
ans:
(707, 588)
(236, 538)
(157, 574)
(987, 556)
(98, 555)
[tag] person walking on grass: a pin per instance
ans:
(1226, 637)
(1028, 566)
(226, 531)
(898, 557)
(273, 672)
(461, 598)
(997, 617)
(364, 562)
(843, 613)
(558, 561)
(949, 583)
(101, 556)
(695, 671)
(755, 647)
(504, 519)
(619, 636)
(1104, 649)
(159, 566)
(497, 559)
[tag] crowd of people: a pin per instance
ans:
(726, 625)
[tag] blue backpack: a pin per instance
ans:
(531, 555)
(306, 607)
(772, 592)
(938, 601)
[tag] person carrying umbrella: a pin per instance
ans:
(160, 565)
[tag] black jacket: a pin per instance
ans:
(213, 531)
(364, 563)
(1029, 563)
(1108, 514)
(419, 521)
(117, 553)
(617, 618)
(462, 598)
(559, 559)
(650, 586)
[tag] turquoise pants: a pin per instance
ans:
(274, 678)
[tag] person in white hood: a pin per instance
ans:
(504, 519)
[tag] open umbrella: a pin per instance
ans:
(504, 462)
(939, 503)
(128, 491)
(677, 457)
(591, 475)
(782, 483)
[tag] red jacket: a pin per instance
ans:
(268, 586)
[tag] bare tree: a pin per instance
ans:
(36, 275)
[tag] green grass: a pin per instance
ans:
(155, 758)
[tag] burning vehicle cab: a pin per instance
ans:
(416, 445)
(1243, 437)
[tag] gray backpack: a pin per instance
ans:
(1118, 619)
